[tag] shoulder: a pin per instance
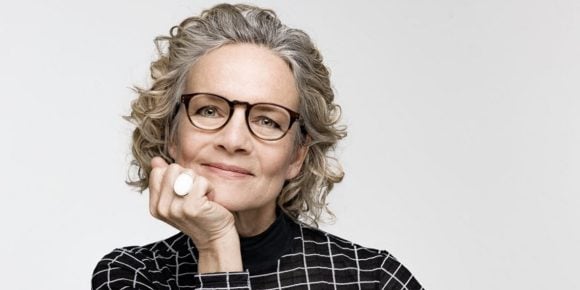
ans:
(370, 263)
(142, 255)
(318, 240)
(141, 264)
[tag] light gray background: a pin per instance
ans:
(462, 158)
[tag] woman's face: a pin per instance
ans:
(252, 74)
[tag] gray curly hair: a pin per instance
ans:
(303, 197)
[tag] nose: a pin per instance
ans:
(235, 137)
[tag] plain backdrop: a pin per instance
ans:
(462, 157)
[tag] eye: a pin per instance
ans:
(207, 111)
(267, 122)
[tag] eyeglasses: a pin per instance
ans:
(211, 112)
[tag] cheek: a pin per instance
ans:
(187, 147)
(275, 162)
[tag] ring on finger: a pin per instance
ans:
(183, 184)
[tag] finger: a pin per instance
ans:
(155, 178)
(166, 193)
(158, 162)
(176, 210)
(201, 187)
(158, 168)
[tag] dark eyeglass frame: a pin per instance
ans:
(294, 116)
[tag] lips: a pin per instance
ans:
(230, 168)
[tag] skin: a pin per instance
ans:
(224, 205)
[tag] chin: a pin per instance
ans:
(238, 202)
(228, 201)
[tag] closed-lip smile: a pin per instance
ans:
(231, 168)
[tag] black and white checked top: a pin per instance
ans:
(287, 256)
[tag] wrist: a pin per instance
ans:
(222, 255)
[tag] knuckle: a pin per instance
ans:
(153, 212)
(163, 212)
(176, 211)
(174, 167)
(191, 212)
(202, 182)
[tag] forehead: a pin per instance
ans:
(244, 72)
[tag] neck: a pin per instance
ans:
(254, 222)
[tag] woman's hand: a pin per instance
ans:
(210, 226)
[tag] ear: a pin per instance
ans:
(296, 163)
(173, 143)
(172, 148)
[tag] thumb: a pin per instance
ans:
(158, 162)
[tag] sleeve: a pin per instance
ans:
(123, 269)
(226, 280)
(395, 276)
(120, 269)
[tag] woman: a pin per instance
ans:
(232, 141)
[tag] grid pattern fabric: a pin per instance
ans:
(316, 260)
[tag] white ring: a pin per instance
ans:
(183, 184)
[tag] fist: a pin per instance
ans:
(203, 220)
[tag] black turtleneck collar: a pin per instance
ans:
(263, 250)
